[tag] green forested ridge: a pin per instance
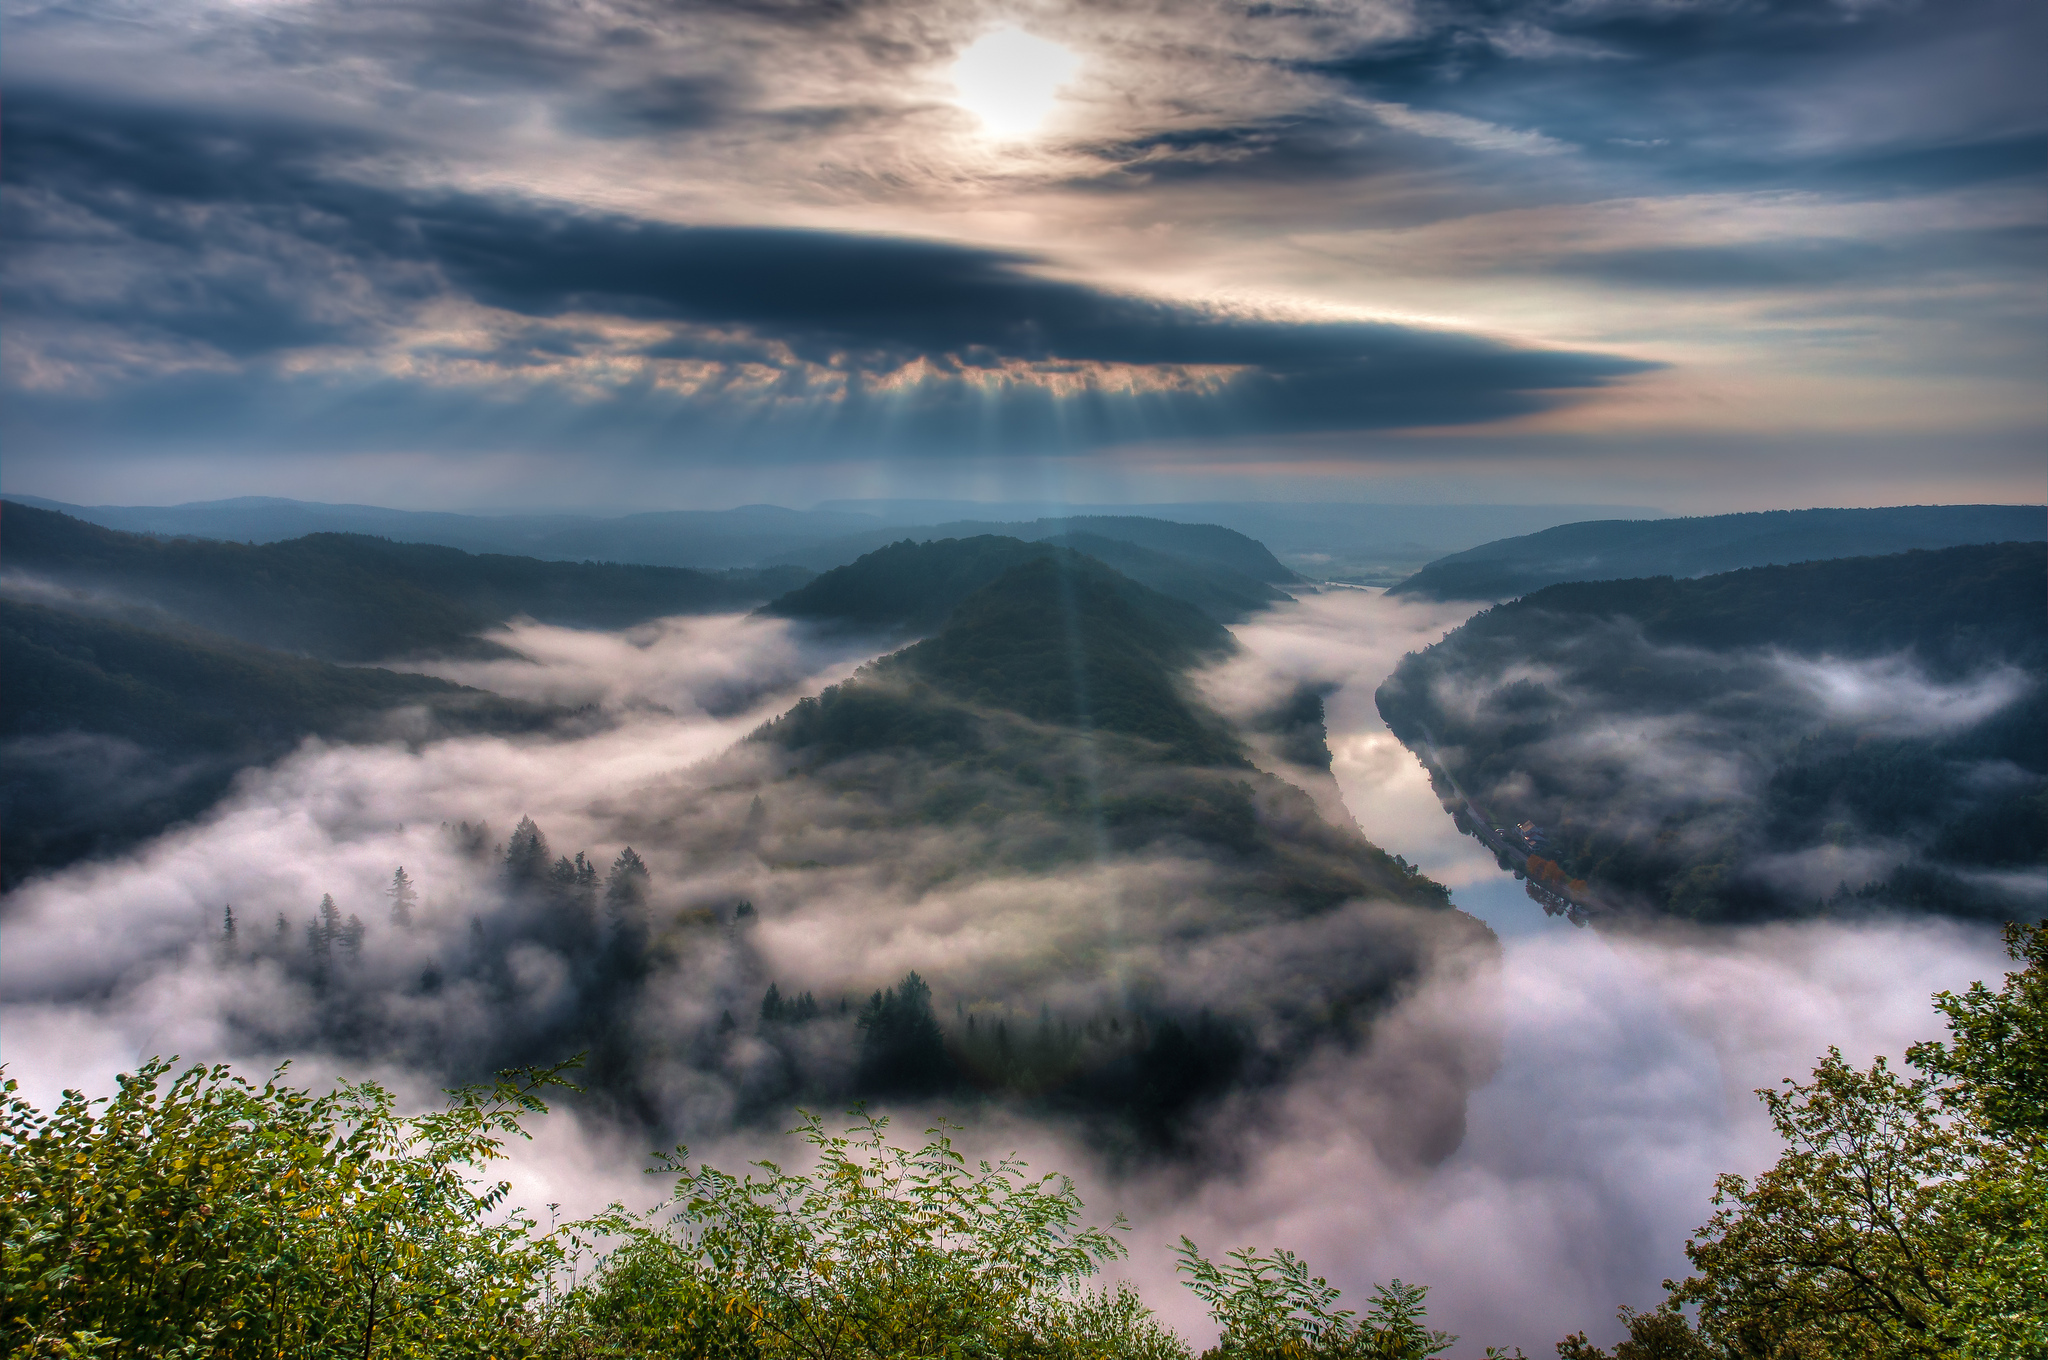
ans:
(112, 732)
(198, 1214)
(1770, 780)
(912, 587)
(1224, 593)
(351, 597)
(906, 586)
(1046, 727)
(1046, 633)
(1599, 550)
(1209, 546)
(1070, 641)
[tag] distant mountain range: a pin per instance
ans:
(1615, 549)
(1377, 544)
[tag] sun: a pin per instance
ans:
(1011, 80)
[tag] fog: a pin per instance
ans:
(1609, 1078)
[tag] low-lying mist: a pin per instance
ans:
(1531, 1128)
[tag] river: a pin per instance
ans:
(1628, 1064)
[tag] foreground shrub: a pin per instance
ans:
(877, 1251)
(209, 1216)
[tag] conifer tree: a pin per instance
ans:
(626, 885)
(902, 1049)
(526, 854)
(403, 895)
(325, 928)
(350, 937)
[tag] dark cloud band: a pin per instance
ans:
(235, 239)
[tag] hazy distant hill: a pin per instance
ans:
(1371, 543)
(1854, 733)
(703, 539)
(1600, 550)
(1208, 544)
(110, 732)
(1365, 542)
(349, 597)
(911, 587)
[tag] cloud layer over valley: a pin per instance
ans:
(1532, 1130)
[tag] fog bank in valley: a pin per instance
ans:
(1610, 1078)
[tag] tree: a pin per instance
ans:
(1907, 1216)
(626, 885)
(879, 1251)
(324, 929)
(1271, 1308)
(403, 896)
(204, 1215)
(902, 1049)
(526, 854)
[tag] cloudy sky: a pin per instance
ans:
(619, 254)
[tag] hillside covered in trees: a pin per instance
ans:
(1210, 545)
(1156, 924)
(355, 598)
(1838, 735)
(909, 588)
(111, 732)
(1614, 549)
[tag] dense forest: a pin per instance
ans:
(110, 732)
(354, 598)
(1605, 550)
(910, 588)
(1839, 735)
(196, 1212)
(1233, 555)
(1042, 747)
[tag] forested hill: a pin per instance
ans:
(1957, 609)
(109, 733)
(1045, 737)
(351, 597)
(1054, 636)
(911, 587)
(1769, 742)
(1209, 545)
(1598, 550)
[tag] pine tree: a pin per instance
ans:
(902, 1049)
(325, 928)
(403, 896)
(227, 925)
(626, 885)
(526, 854)
(351, 937)
(771, 1006)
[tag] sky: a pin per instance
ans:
(611, 255)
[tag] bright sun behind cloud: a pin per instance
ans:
(1010, 80)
